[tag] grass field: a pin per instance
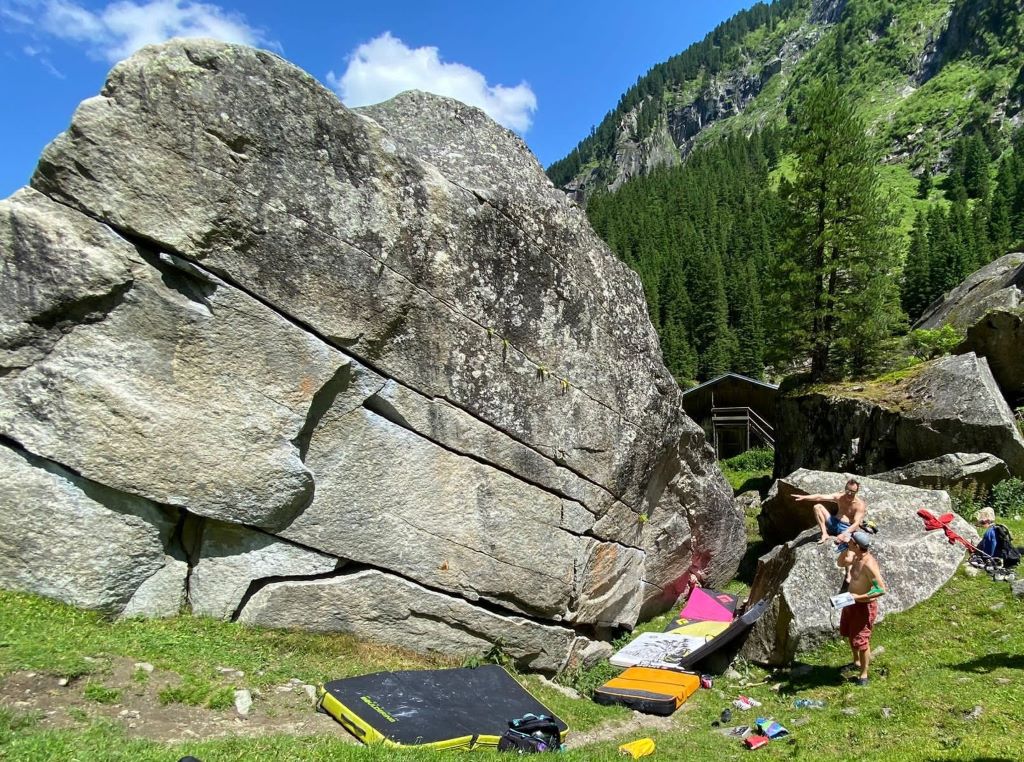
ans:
(947, 685)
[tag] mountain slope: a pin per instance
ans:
(687, 178)
(921, 72)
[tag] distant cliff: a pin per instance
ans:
(910, 63)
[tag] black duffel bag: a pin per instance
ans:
(530, 734)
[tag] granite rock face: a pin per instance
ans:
(996, 286)
(83, 543)
(232, 560)
(988, 307)
(949, 405)
(800, 575)
(956, 470)
(317, 344)
(384, 608)
(999, 338)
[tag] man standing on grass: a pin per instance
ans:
(850, 510)
(866, 585)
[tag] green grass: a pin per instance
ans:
(751, 470)
(101, 694)
(961, 649)
(194, 691)
(46, 636)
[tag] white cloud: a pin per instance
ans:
(120, 28)
(385, 66)
(39, 53)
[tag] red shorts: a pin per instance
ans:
(856, 622)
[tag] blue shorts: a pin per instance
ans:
(835, 527)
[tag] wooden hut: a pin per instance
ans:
(735, 411)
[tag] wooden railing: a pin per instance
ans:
(743, 416)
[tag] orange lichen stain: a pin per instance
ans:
(603, 560)
(307, 386)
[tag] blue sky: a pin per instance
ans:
(549, 70)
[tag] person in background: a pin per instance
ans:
(986, 519)
(866, 585)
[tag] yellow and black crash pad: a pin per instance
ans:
(443, 709)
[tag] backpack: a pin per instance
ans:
(530, 734)
(1004, 547)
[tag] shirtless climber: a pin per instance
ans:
(849, 514)
(866, 584)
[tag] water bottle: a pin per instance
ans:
(809, 704)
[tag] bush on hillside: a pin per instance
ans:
(1008, 497)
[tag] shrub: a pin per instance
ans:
(222, 698)
(758, 459)
(192, 691)
(1008, 497)
(968, 500)
(928, 343)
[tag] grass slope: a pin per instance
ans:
(947, 686)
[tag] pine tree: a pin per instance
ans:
(749, 322)
(712, 337)
(1000, 228)
(924, 183)
(976, 160)
(916, 273)
(941, 254)
(841, 305)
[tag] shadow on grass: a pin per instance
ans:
(760, 483)
(989, 662)
(814, 677)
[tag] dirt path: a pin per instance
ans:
(286, 708)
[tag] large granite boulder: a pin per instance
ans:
(333, 344)
(975, 472)
(996, 286)
(947, 405)
(988, 307)
(800, 575)
(999, 338)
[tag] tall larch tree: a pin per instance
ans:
(840, 300)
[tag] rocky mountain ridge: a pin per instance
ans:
(895, 55)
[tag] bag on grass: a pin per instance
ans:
(1005, 551)
(530, 734)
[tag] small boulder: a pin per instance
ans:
(243, 702)
(748, 501)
